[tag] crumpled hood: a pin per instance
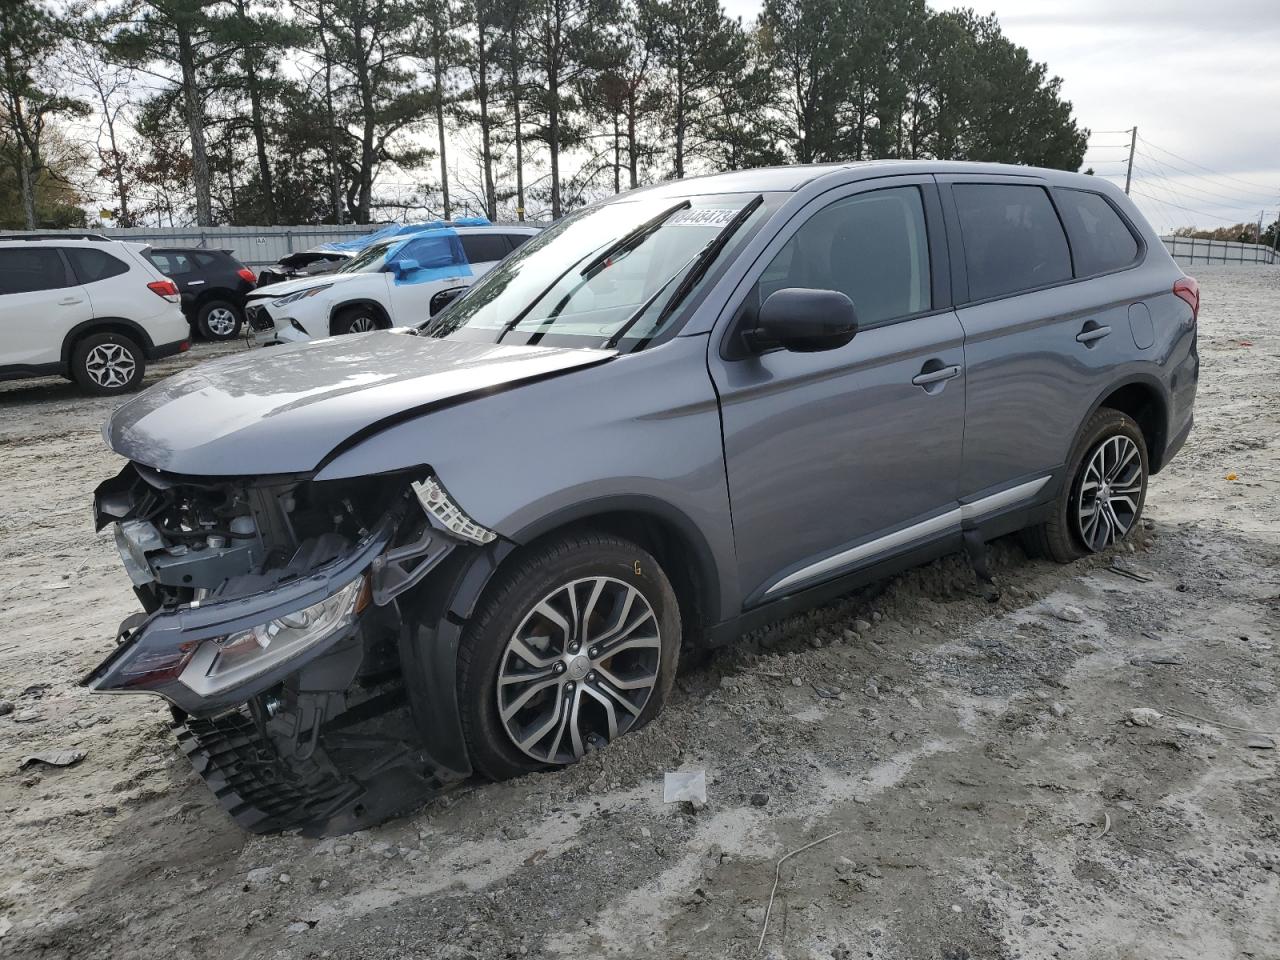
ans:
(285, 409)
(274, 291)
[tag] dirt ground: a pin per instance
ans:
(969, 763)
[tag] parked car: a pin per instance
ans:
(305, 263)
(214, 285)
(674, 416)
(94, 311)
(398, 281)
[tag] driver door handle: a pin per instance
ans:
(1091, 333)
(924, 378)
(70, 301)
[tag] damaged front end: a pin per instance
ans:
(272, 623)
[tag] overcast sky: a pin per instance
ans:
(1199, 78)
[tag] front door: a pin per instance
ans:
(838, 458)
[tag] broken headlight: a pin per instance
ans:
(229, 661)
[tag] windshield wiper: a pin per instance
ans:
(634, 238)
(631, 240)
(701, 263)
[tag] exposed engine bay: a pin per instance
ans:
(271, 624)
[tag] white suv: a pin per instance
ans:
(92, 310)
(400, 281)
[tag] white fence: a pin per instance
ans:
(252, 246)
(1190, 250)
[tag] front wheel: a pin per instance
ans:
(354, 320)
(1102, 503)
(575, 645)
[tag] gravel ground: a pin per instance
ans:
(971, 764)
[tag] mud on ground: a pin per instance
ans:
(973, 759)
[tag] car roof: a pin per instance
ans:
(47, 241)
(191, 250)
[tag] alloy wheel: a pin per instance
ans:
(1110, 494)
(221, 321)
(579, 669)
(362, 324)
(110, 365)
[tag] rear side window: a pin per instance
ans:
(871, 247)
(1012, 239)
(171, 263)
(515, 239)
(91, 265)
(31, 269)
(484, 247)
(1100, 239)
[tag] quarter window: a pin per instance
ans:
(872, 247)
(31, 269)
(92, 265)
(1012, 239)
(1100, 240)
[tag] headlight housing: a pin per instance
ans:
(236, 658)
(301, 295)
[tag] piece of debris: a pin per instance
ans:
(1106, 826)
(1059, 710)
(1259, 742)
(53, 758)
(1158, 660)
(777, 876)
(1067, 613)
(6, 707)
(685, 785)
(1143, 717)
(827, 693)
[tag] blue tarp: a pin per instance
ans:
(356, 244)
(437, 253)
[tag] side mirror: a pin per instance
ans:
(403, 268)
(444, 298)
(804, 320)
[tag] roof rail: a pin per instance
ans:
(56, 236)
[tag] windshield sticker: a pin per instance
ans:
(706, 217)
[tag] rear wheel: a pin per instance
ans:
(108, 363)
(1102, 503)
(575, 645)
(218, 320)
(355, 320)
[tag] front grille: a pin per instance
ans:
(259, 319)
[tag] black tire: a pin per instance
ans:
(1062, 538)
(219, 320)
(504, 608)
(354, 320)
(106, 364)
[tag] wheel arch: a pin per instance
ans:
(374, 305)
(1143, 398)
(87, 328)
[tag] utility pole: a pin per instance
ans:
(1261, 215)
(1133, 145)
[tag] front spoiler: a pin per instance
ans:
(169, 628)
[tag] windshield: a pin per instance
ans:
(601, 276)
(369, 260)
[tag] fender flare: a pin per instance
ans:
(106, 325)
(377, 307)
(1157, 387)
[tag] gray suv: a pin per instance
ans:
(374, 565)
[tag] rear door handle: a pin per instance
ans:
(194, 283)
(70, 301)
(927, 377)
(1092, 333)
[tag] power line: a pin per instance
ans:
(1200, 193)
(1164, 165)
(1225, 176)
(1198, 213)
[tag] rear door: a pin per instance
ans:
(1039, 343)
(40, 302)
(484, 251)
(839, 458)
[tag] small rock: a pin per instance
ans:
(876, 616)
(1259, 742)
(872, 689)
(285, 878)
(1067, 613)
(646, 832)
(1143, 717)
(342, 849)
(259, 875)
(515, 832)
(759, 799)
(897, 736)
(297, 927)
(861, 626)
(6, 707)
(1059, 710)
(797, 682)
(816, 642)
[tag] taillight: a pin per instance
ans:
(1187, 289)
(164, 288)
(248, 274)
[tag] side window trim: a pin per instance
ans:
(1139, 258)
(935, 237)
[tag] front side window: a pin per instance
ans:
(27, 270)
(872, 247)
(92, 265)
(604, 276)
(1012, 239)
(1100, 240)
